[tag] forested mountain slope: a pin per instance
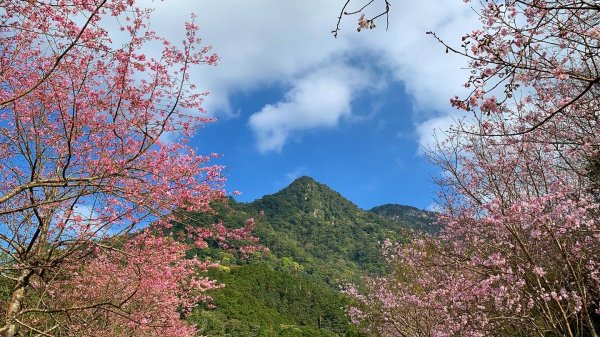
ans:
(409, 216)
(318, 240)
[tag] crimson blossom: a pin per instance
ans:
(86, 140)
(520, 197)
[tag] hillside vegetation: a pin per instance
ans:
(318, 240)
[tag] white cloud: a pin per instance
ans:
(270, 42)
(430, 75)
(260, 42)
(433, 130)
(318, 100)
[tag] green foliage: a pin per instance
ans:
(261, 301)
(408, 216)
(318, 240)
(323, 231)
(6, 286)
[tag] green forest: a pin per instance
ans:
(318, 241)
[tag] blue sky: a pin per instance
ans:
(371, 159)
(351, 112)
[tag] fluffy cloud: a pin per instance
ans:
(433, 130)
(430, 75)
(319, 99)
(270, 42)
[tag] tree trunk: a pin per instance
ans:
(15, 304)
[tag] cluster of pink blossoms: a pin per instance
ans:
(93, 141)
(519, 252)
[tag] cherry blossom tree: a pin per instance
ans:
(364, 22)
(141, 290)
(93, 137)
(519, 255)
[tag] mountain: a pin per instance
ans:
(412, 217)
(305, 195)
(318, 240)
(319, 228)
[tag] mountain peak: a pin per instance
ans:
(303, 179)
(304, 182)
(310, 196)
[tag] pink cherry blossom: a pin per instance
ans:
(85, 165)
(520, 249)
